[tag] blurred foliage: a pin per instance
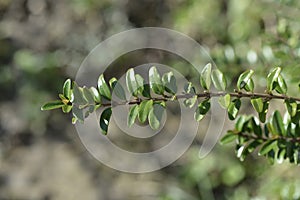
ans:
(43, 42)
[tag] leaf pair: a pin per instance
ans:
(216, 76)
(147, 109)
(65, 99)
(276, 81)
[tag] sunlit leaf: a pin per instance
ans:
(96, 95)
(229, 137)
(272, 78)
(144, 109)
(202, 110)
(103, 88)
(218, 80)
(133, 113)
(281, 86)
(140, 83)
(262, 115)
(67, 88)
(277, 122)
(267, 147)
(224, 101)
(189, 88)
(131, 82)
(257, 104)
(66, 108)
(291, 106)
(117, 88)
(190, 102)
(169, 83)
(155, 81)
(245, 79)
(52, 105)
(233, 109)
(205, 79)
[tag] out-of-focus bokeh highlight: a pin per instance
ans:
(42, 42)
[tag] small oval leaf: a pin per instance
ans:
(103, 88)
(155, 81)
(155, 115)
(233, 109)
(245, 79)
(133, 113)
(272, 78)
(67, 89)
(104, 120)
(218, 80)
(229, 137)
(224, 101)
(52, 105)
(205, 79)
(144, 109)
(267, 147)
(257, 104)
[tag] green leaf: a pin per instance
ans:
(241, 123)
(257, 104)
(103, 88)
(155, 81)
(205, 79)
(218, 80)
(117, 88)
(224, 101)
(78, 114)
(155, 115)
(131, 82)
(140, 83)
(96, 95)
(189, 88)
(67, 89)
(262, 115)
(229, 137)
(272, 78)
(78, 95)
(144, 109)
(267, 147)
(202, 109)
(169, 83)
(88, 95)
(133, 113)
(104, 120)
(245, 79)
(277, 122)
(249, 86)
(281, 155)
(253, 145)
(66, 108)
(291, 106)
(52, 105)
(190, 102)
(146, 91)
(255, 127)
(233, 109)
(281, 86)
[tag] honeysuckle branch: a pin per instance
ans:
(206, 94)
(277, 137)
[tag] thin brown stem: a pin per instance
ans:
(209, 95)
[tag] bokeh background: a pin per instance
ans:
(42, 42)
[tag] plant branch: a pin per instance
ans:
(207, 95)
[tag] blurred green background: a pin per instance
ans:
(42, 42)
